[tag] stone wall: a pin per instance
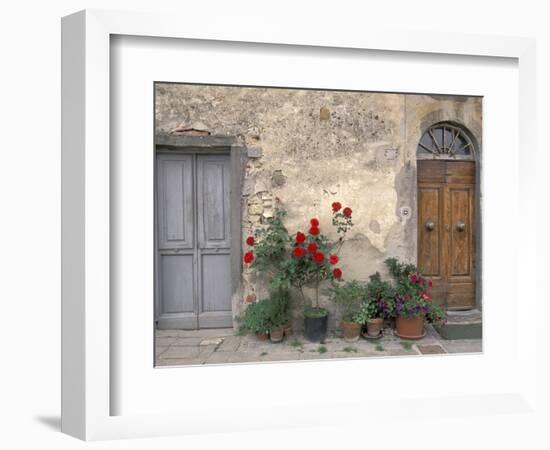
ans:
(318, 147)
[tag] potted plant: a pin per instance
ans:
(279, 314)
(349, 296)
(412, 301)
(378, 304)
(304, 260)
(257, 319)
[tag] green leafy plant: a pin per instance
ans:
(271, 243)
(322, 349)
(269, 313)
(379, 300)
(257, 317)
(301, 259)
(407, 345)
(349, 296)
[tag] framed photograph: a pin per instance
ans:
(256, 225)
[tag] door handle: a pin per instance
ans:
(460, 226)
(429, 225)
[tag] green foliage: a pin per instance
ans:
(322, 349)
(379, 348)
(367, 311)
(342, 223)
(314, 311)
(263, 354)
(304, 270)
(398, 270)
(269, 313)
(304, 258)
(407, 345)
(279, 297)
(349, 296)
(379, 300)
(350, 349)
(271, 247)
(257, 317)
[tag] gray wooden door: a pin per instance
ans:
(193, 274)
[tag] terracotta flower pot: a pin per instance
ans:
(262, 336)
(277, 334)
(409, 327)
(351, 330)
(374, 326)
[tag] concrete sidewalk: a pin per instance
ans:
(222, 346)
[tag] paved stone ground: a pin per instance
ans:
(221, 346)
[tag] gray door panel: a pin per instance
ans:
(213, 201)
(176, 284)
(193, 241)
(216, 277)
(175, 191)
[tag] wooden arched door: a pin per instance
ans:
(446, 183)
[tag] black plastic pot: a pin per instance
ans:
(315, 328)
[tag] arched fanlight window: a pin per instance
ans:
(445, 141)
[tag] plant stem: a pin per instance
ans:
(317, 293)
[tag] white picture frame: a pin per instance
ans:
(88, 384)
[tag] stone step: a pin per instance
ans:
(461, 325)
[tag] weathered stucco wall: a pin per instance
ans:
(318, 147)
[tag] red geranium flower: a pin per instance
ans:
(300, 237)
(318, 257)
(333, 259)
(299, 252)
(314, 231)
(250, 240)
(312, 248)
(248, 257)
(413, 278)
(314, 222)
(337, 273)
(430, 284)
(347, 211)
(336, 206)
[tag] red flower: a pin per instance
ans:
(314, 222)
(248, 257)
(336, 206)
(300, 237)
(312, 248)
(314, 231)
(347, 211)
(318, 257)
(413, 278)
(430, 284)
(250, 240)
(337, 273)
(299, 252)
(333, 259)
